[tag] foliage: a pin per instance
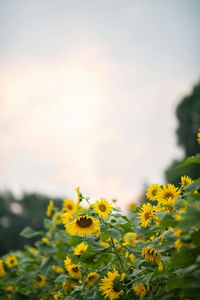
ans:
(188, 115)
(16, 213)
(97, 252)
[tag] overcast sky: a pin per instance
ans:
(89, 90)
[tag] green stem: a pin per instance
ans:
(116, 252)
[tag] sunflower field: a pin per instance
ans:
(94, 251)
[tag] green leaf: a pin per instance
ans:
(114, 233)
(29, 233)
(61, 278)
(196, 237)
(193, 186)
(190, 218)
(168, 221)
(45, 265)
(184, 257)
(190, 160)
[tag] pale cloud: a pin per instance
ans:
(88, 99)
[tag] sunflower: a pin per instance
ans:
(66, 217)
(58, 269)
(67, 262)
(57, 217)
(146, 214)
(39, 281)
(49, 208)
(45, 239)
(2, 270)
(132, 206)
(152, 192)
(198, 136)
(178, 244)
(11, 261)
(74, 270)
(150, 254)
(79, 195)
(111, 286)
(92, 277)
(80, 248)
(83, 225)
(185, 180)
(140, 290)
(70, 206)
(66, 285)
(129, 238)
(168, 194)
(103, 207)
(58, 296)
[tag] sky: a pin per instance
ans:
(89, 91)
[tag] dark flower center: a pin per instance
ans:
(69, 206)
(117, 284)
(168, 195)
(75, 269)
(147, 215)
(84, 222)
(102, 207)
(154, 192)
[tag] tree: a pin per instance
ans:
(188, 115)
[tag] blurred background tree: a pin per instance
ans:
(16, 214)
(188, 114)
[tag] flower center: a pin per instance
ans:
(91, 278)
(102, 207)
(84, 222)
(147, 215)
(69, 206)
(75, 269)
(39, 278)
(117, 284)
(154, 192)
(168, 195)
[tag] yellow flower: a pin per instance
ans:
(131, 206)
(80, 248)
(150, 254)
(45, 239)
(178, 244)
(49, 208)
(66, 217)
(11, 261)
(79, 195)
(92, 277)
(198, 136)
(58, 296)
(74, 270)
(58, 269)
(57, 217)
(168, 194)
(185, 180)
(83, 225)
(111, 286)
(177, 217)
(178, 232)
(129, 238)
(140, 290)
(67, 262)
(2, 270)
(103, 207)
(146, 214)
(66, 285)
(39, 281)
(70, 206)
(152, 192)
